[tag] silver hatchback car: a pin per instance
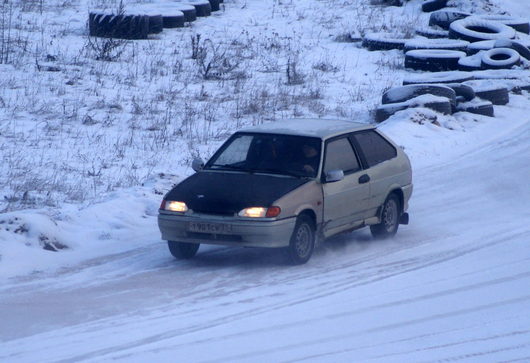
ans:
(287, 184)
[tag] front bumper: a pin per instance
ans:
(245, 233)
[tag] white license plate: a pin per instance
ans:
(214, 228)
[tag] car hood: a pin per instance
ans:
(228, 193)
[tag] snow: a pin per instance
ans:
(96, 145)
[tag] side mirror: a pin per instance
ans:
(334, 176)
(197, 164)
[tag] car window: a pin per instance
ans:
(374, 147)
(340, 156)
(297, 156)
(236, 152)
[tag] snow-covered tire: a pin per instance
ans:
(519, 24)
(500, 58)
(447, 44)
(432, 33)
(482, 107)
(156, 23)
(523, 50)
(215, 5)
(496, 94)
(474, 29)
(302, 242)
(382, 41)
(175, 19)
(390, 215)
(118, 26)
(462, 91)
(189, 11)
(202, 7)
(444, 18)
(433, 60)
(433, 5)
(438, 77)
(439, 104)
(471, 63)
(183, 250)
(405, 93)
(383, 112)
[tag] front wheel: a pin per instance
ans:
(183, 250)
(302, 241)
(389, 218)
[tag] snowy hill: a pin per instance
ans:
(89, 147)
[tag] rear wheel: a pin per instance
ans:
(302, 241)
(389, 218)
(182, 250)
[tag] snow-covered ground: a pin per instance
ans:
(96, 144)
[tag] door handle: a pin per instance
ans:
(363, 179)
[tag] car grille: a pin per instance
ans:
(215, 237)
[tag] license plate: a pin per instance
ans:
(214, 228)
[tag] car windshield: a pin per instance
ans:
(269, 153)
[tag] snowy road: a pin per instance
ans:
(454, 285)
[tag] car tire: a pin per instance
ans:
(405, 93)
(183, 250)
(302, 242)
(474, 29)
(432, 33)
(500, 58)
(444, 18)
(382, 41)
(389, 218)
(433, 60)
(438, 77)
(433, 5)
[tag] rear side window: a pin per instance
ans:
(374, 147)
(340, 155)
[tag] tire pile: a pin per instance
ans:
(144, 19)
(454, 47)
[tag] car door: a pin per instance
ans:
(376, 154)
(346, 200)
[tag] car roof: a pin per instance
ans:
(321, 128)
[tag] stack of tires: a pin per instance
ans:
(141, 20)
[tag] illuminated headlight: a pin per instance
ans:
(260, 212)
(174, 206)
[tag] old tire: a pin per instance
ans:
(522, 49)
(382, 41)
(189, 11)
(202, 7)
(433, 60)
(474, 29)
(446, 44)
(498, 95)
(183, 250)
(433, 5)
(432, 33)
(518, 24)
(118, 26)
(500, 58)
(390, 214)
(481, 107)
(444, 18)
(176, 19)
(438, 77)
(215, 5)
(302, 242)
(406, 93)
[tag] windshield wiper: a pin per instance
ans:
(280, 172)
(229, 166)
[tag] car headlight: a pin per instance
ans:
(260, 212)
(174, 206)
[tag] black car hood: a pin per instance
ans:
(228, 193)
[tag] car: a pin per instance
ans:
(288, 184)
